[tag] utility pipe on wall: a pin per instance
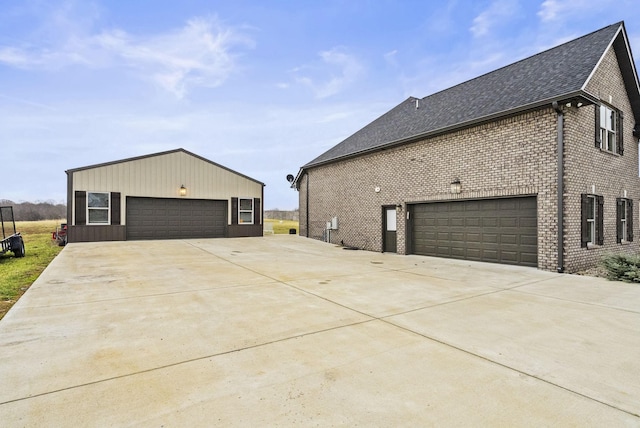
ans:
(560, 187)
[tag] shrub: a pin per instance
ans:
(622, 267)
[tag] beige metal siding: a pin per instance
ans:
(161, 177)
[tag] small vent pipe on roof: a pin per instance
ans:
(417, 103)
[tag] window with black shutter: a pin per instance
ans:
(80, 198)
(234, 210)
(599, 220)
(624, 220)
(592, 220)
(609, 129)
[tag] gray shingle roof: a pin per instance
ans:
(543, 77)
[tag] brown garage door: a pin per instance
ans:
(488, 230)
(158, 218)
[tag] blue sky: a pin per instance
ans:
(261, 87)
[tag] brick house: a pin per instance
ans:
(488, 169)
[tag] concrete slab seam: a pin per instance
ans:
(507, 367)
(190, 360)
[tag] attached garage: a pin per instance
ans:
(168, 195)
(489, 230)
(164, 218)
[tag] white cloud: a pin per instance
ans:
(498, 12)
(200, 54)
(344, 68)
(391, 58)
(562, 10)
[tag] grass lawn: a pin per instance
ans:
(281, 226)
(17, 274)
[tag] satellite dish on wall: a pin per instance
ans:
(290, 178)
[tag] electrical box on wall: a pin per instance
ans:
(334, 223)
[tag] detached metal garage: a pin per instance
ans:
(167, 195)
(488, 230)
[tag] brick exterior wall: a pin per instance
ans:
(587, 166)
(513, 156)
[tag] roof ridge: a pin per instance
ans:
(526, 58)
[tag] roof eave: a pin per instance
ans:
(580, 94)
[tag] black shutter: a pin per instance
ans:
(598, 141)
(619, 211)
(115, 208)
(234, 210)
(600, 220)
(620, 132)
(256, 211)
(630, 220)
(584, 224)
(81, 208)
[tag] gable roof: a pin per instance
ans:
(71, 171)
(560, 73)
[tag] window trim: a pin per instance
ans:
(607, 131)
(107, 208)
(240, 211)
(591, 220)
(624, 220)
(615, 131)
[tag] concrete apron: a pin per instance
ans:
(283, 330)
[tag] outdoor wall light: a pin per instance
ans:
(456, 186)
(183, 190)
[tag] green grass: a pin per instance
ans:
(282, 226)
(17, 274)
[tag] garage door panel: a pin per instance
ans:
(472, 222)
(528, 258)
(499, 230)
(510, 257)
(490, 238)
(458, 252)
(507, 238)
(474, 238)
(509, 222)
(158, 218)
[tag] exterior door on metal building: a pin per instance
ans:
(390, 238)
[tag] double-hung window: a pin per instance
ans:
(245, 211)
(609, 130)
(592, 220)
(624, 220)
(98, 208)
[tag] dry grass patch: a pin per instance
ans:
(281, 226)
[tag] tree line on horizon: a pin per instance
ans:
(49, 210)
(35, 211)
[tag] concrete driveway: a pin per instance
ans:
(282, 330)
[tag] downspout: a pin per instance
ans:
(307, 210)
(560, 188)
